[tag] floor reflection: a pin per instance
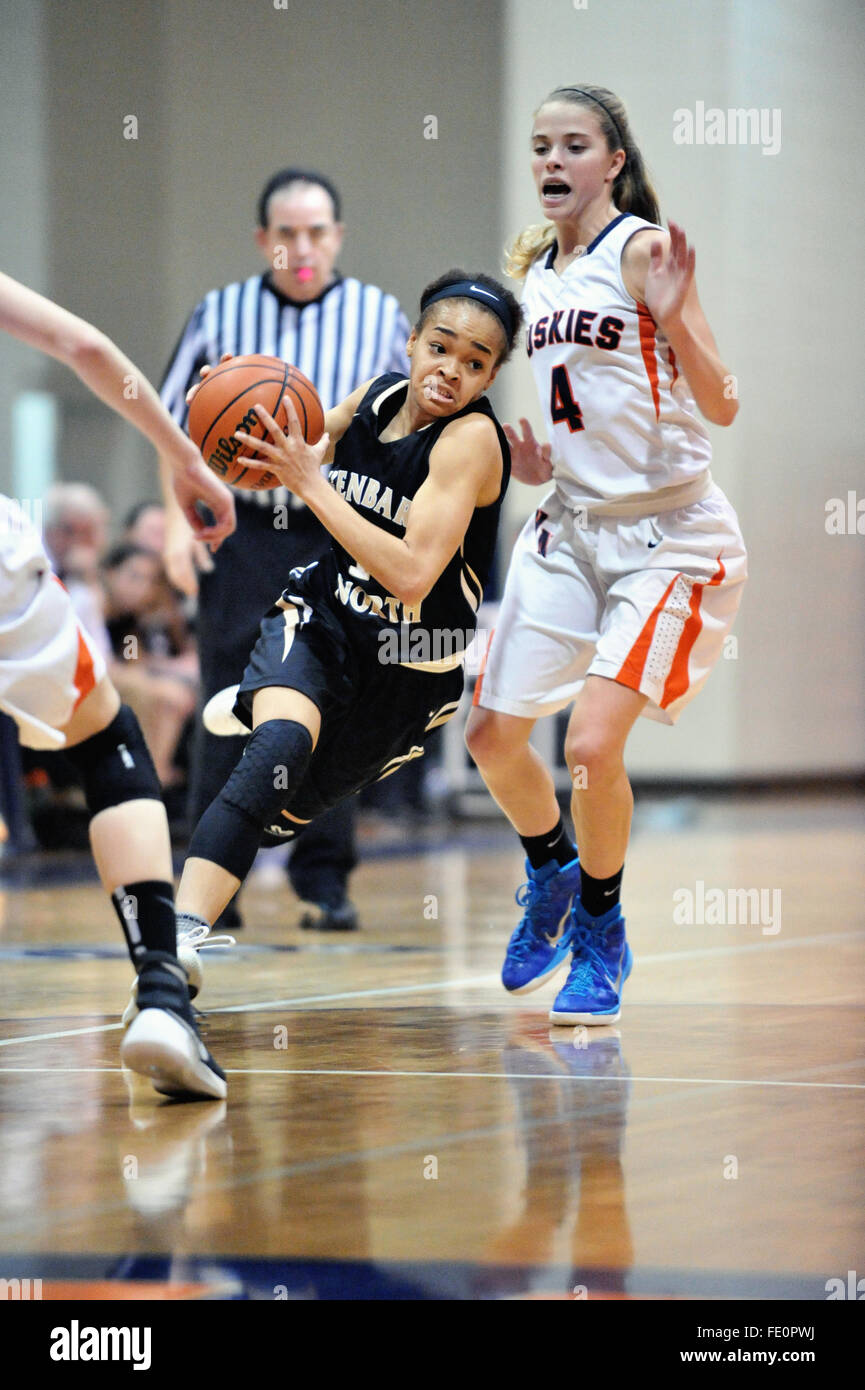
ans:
(570, 1088)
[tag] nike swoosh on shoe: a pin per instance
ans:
(554, 938)
(617, 984)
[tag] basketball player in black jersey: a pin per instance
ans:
(412, 500)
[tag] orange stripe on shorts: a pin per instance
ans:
(630, 672)
(476, 697)
(677, 681)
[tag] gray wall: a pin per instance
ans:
(224, 94)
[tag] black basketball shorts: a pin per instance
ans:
(375, 715)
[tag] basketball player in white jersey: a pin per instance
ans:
(625, 582)
(54, 685)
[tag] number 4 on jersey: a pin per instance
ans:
(562, 404)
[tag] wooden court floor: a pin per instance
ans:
(397, 1126)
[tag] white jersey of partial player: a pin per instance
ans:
(620, 417)
(48, 663)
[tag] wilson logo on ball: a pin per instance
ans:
(225, 403)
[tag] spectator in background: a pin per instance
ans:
(75, 533)
(159, 684)
(75, 524)
(144, 525)
(169, 629)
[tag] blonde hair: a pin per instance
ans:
(525, 249)
(632, 189)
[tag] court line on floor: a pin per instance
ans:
(276, 1004)
(66, 1033)
(480, 1075)
(697, 953)
(354, 994)
(543, 1076)
(789, 943)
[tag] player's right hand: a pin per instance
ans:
(205, 370)
(531, 461)
(184, 556)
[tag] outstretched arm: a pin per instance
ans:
(111, 376)
(659, 272)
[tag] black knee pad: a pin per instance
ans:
(273, 763)
(230, 831)
(115, 764)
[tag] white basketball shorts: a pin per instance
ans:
(47, 662)
(644, 602)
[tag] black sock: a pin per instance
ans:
(146, 913)
(556, 844)
(599, 895)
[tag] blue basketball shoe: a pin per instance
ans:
(539, 947)
(601, 964)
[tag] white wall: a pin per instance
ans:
(778, 243)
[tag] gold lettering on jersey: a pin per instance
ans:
(370, 497)
(385, 606)
(367, 492)
(400, 516)
(356, 485)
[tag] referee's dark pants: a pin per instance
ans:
(252, 567)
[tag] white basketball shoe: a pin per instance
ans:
(192, 937)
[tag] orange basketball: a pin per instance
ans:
(224, 403)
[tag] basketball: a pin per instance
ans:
(225, 403)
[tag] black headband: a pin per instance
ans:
(467, 289)
(603, 107)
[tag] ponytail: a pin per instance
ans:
(633, 191)
(527, 247)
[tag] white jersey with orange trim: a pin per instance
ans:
(620, 416)
(48, 663)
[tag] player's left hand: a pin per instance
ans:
(296, 463)
(531, 461)
(204, 374)
(194, 482)
(669, 277)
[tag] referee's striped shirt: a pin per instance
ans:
(351, 333)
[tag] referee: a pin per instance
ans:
(339, 333)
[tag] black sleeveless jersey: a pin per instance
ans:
(379, 481)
